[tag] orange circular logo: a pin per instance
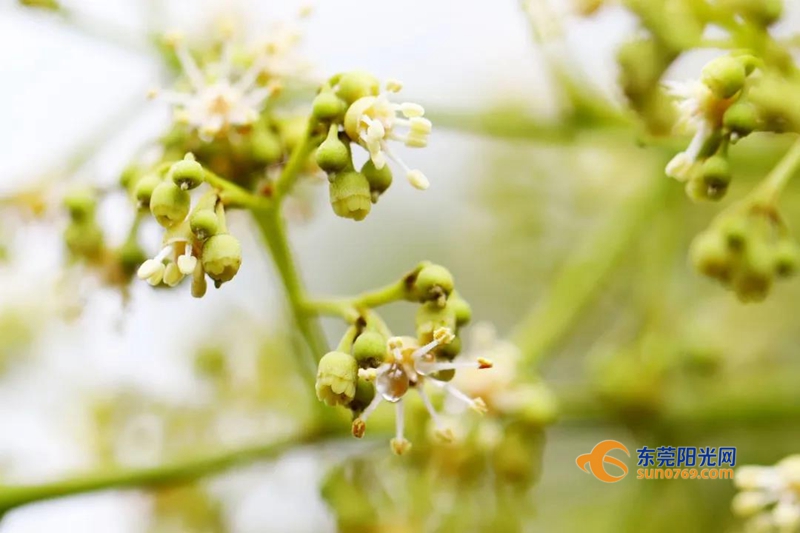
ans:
(596, 459)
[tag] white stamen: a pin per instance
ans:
(187, 262)
(376, 401)
(400, 421)
(476, 404)
(410, 110)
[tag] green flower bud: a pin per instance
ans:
(433, 282)
(169, 204)
(461, 309)
(81, 204)
(265, 146)
(752, 286)
(129, 175)
(337, 376)
(84, 239)
(365, 392)
(715, 176)
(725, 76)
(430, 317)
(221, 257)
(204, 223)
(710, 255)
(131, 255)
(787, 259)
(764, 12)
(450, 350)
(641, 62)
(753, 282)
(369, 349)
(187, 173)
(379, 180)
(736, 233)
(333, 155)
(350, 196)
(357, 84)
(292, 131)
(144, 188)
(741, 118)
(327, 107)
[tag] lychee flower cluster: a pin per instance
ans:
(353, 110)
(770, 495)
(195, 243)
(86, 242)
(746, 249)
(83, 236)
(371, 366)
(716, 109)
(223, 96)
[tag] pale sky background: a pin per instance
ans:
(58, 85)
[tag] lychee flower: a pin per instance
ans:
(770, 495)
(373, 121)
(409, 365)
(336, 378)
(278, 55)
(701, 111)
(218, 99)
(175, 261)
(697, 108)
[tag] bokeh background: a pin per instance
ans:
(657, 356)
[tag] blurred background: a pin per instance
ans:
(522, 204)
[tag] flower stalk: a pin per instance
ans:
(176, 473)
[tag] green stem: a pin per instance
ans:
(13, 496)
(234, 196)
(547, 323)
(346, 344)
(772, 187)
(297, 160)
(353, 309)
(273, 230)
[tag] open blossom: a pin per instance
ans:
(278, 55)
(219, 98)
(770, 495)
(373, 121)
(700, 111)
(409, 366)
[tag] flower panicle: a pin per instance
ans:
(195, 243)
(354, 110)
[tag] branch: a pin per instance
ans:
(141, 478)
(578, 282)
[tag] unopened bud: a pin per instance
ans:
(187, 173)
(337, 375)
(725, 76)
(169, 204)
(350, 195)
(221, 257)
(355, 85)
